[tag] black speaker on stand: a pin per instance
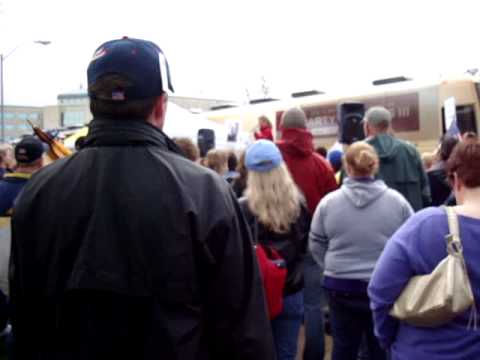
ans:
(350, 115)
(205, 141)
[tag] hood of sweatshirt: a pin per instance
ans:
(363, 192)
(386, 146)
(296, 142)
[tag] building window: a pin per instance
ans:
(33, 116)
(8, 115)
(73, 118)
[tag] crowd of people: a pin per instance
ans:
(135, 247)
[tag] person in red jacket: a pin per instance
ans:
(315, 178)
(265, 129)
(312, 173)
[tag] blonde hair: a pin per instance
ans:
(217, 160)
(361, 159)
(7, 157)
(273, 198)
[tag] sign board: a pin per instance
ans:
(322, 119)
(404, 109)
(450, 113)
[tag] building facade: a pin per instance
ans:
(197, 105)
(15, 122)
(73, 109)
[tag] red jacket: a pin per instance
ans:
(312, 173)
(264, 133)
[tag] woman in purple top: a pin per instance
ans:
(416, 249)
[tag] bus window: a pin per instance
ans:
(465, 119)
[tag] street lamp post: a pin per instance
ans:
(2, 105)
(2, 120)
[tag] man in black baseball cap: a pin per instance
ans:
(128, 250)
(29, 156)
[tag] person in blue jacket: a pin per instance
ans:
(29, 156)
(416, 249)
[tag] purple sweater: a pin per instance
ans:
(416, 248)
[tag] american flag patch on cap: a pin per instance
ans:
(118, 95)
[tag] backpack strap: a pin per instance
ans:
(251, 219)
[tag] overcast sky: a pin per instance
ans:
(221, 48)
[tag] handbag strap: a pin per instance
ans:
(454, 242)
(454, 246)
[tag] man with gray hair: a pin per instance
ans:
(312, 173)
(315, 178)
(400, 163)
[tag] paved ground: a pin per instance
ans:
(301, 344)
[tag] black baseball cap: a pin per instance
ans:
(28, 150)
(142, 62)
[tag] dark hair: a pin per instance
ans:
(102, 105)
(232, 161)
(321, 150)
(470, 137)
(465, 162)
(31, 164)
(240, 184)
(190, 150)
(447, 145)
(79, 142)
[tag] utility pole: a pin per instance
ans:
(2, 110)
(265, 87)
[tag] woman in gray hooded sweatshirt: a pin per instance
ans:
(349, 230)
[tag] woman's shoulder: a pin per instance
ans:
(332, 197)
(428, 224)
(427, 217)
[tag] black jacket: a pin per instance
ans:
(439, 185)
(292, 246)
(126, 250)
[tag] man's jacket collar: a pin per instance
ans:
(109, 132)
(18, 175)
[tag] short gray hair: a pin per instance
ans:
(378, 117)
(294, 118)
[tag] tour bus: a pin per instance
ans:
(418, 109)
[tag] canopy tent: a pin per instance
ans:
(183, 123)
(178, 123)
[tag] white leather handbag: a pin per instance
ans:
(435, 299)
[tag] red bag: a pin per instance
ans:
(274, 274)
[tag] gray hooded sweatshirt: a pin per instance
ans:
(351, 226)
